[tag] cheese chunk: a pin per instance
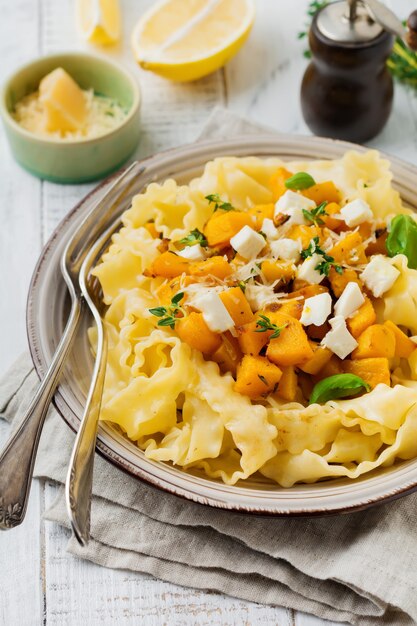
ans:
(339, 340)
(316, 309)
(287, 249)
(215, 314)
(307, 270)
(356, 212)
(350, 300)
(194, 253)
(269, 229)
(379, 275)
(248, 243)
(65, 107)
(292, 204)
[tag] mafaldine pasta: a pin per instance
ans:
(262, 320)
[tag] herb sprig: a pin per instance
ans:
(196, 237)
(265, 324)
(214, 198)
(328, 262)
(314, 216)
(169, 314)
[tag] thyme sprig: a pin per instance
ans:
(196, 237)
(328, 261)
(313, 216)
(265, 324)
(214, 198)
(169, 314)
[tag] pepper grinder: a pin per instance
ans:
(347, 90)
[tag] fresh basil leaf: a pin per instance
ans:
(402, 239)
(338, 386)
(300, 181)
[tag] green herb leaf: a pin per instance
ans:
(177, 298)
(265, 324)
(169, 314)
(338, 386)
(218, 203)
(300, 181)
(158, 311)
(402, 239)
(313, 216)
(328, 261)
(195, 237)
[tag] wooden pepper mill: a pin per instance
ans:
(347, 90)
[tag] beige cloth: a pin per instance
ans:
(358, 568)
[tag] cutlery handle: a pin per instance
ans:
(79, 480)
(18, 457)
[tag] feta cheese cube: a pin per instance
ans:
(194, 253)
(287, 249)
(379, 275)
(339, 340)
(292, 204)
(350, 300)
(356, 212)
(214, 312)
(247, 242)
(268, 227)
(307, 270)
(316, 309)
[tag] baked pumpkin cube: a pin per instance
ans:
(228, 355)
(261, 212)
(237, 305)
(287, 386)
(250, 341)
(333, 366)
(216, 266)
(222, 226)
(322, 192)
(403, 344)
(193, 330)
(170, 265)
(373, 370)
(293, 307)
(276, 270)
(378, 246)
(331, 222)
(349, 250)
(321, 356)
(338, 281)
(364, 317)
(292, 346)
(277, 182)
(304, 234)
(256, 376)
(378, 340)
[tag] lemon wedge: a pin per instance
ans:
(186, 39)
(99, 21)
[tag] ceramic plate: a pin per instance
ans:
(47, 311)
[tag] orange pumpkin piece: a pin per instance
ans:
(193, 330)
(228, 355)
(170, 265)
(377, 340)
(320, 357)
(292, 346)
(373, 370)
(277, 182)
(349, 250)
(256, 376)
(333, 366)
(261, 212)
(287, 386)
(304, 234)
(364, 317)
(274, 270)
(338, 281)
(403, 344)
(222, 226)
(331, 222)
(151, 228)
(365, 230)
(250, 341)
(322, 192)
(292, 307)
(216, 266)
(237, 305)
(378, 246)
(166, 292)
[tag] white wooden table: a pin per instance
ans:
(39, 583)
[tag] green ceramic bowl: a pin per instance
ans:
(78, 160)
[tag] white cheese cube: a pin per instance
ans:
(379, 275)
(306, 271)
(248, 243)
(194, 253)
(292, 204)
(287, 249)
(356, 212)
(214, 312)
(269, 229)
(350, 300)
(339, 340)
(316, 309)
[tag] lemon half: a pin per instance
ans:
(186, 39)
(99, 21)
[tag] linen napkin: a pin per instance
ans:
(357, 568)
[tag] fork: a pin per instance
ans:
(18, 457)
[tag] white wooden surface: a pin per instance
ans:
(39, 583)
